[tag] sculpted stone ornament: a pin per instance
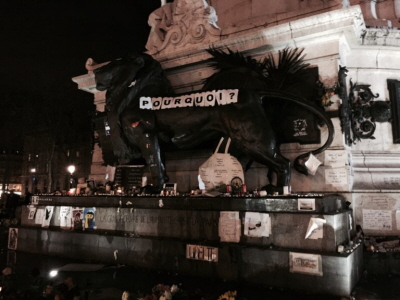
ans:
(180, 23)
(139, 132)
(365, 112)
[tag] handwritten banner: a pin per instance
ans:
(204, 99)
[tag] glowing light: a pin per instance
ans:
(71, 169)
(53, 273)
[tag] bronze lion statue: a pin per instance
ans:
(137, 132)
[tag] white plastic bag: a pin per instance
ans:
(220, 168)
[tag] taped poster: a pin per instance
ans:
(257, 224)
(335, 158)
(77, 217)
(32, 212)
(39, 216)
(65, 217)
(374, 219)
(229, 227)
(48, 213)
(305, 263)
(89, 217)
(12, 238)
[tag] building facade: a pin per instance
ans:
(45, 163)
(10, 170)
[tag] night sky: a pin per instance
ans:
(44, 43)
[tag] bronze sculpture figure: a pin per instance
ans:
(137, 132)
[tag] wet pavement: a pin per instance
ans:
(108, 282)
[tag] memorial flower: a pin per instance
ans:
(229, 295)
(162, 292)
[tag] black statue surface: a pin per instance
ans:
(139, 132)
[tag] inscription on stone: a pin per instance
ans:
(160, 222)
(157, 219)
(392, 181)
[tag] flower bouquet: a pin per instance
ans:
(162, 292)
(230, 295)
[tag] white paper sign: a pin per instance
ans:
(337, 177)
(315, 229)
(377, 219)
(155, 103)
(312, 164)
(335, 158)
(307, 204)
(32, 211)
(66, 217)
(257, 224)
(229, 227)
(39, 216)
(204, 99)
(168, 102)
(146, 102)
(232, 96)
(12, 238)
(48, 213)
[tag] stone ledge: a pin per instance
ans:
(376, 171)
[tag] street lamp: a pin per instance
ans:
(33, 172)
(71, 170)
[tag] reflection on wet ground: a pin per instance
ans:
(110, 281)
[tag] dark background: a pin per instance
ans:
(45, 43)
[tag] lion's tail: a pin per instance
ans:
(299, 161)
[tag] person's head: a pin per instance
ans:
(49, 289)
(7, 271)
(125, 295)
(59, 296)
(69, 281)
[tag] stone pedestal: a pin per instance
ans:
(156, 233)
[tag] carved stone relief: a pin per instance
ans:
(181, 23)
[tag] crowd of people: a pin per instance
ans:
(35, 287)
(9, 202)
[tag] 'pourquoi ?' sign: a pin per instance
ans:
(204, 99)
